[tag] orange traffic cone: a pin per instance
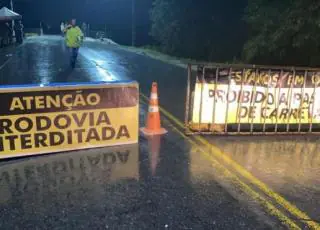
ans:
(153, 126)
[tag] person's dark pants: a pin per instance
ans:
(19, 37)
(73, 56)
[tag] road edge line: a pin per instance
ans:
(265, 204)
(292, 209)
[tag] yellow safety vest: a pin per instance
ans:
(74, 37)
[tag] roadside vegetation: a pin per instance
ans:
(283, 32)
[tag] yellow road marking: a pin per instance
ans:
(229, 176)
(292, 209)
(242, 171)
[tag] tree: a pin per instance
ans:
(165, 24)
(283, 32)
(206, 29)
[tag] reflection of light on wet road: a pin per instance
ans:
(104, 64)
(280, 161)
(105, 75)
(99, 62)
(74, 172)
(44, 80)
(291, 166)
(42, 62)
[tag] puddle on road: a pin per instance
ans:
(289, 165)
(38, 178)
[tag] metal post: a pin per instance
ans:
(314, 98)
(253, 94)
(133, 38)
(202, 82)
(41, 29)
(278, 100)
(13, 32)
(302, 98)
(214, 99)
(267, 100)
(240, 100)
(290, 97)
(227, 97)
(186, 120)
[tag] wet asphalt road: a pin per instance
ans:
(132, 187)
(128, 187)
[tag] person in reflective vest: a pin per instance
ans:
(74, 39)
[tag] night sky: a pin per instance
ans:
(114, 14)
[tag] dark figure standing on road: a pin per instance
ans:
(74, 39)
(5, 32)
(8, 34)
(84, 29)
(62, 27)
(19, 32)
